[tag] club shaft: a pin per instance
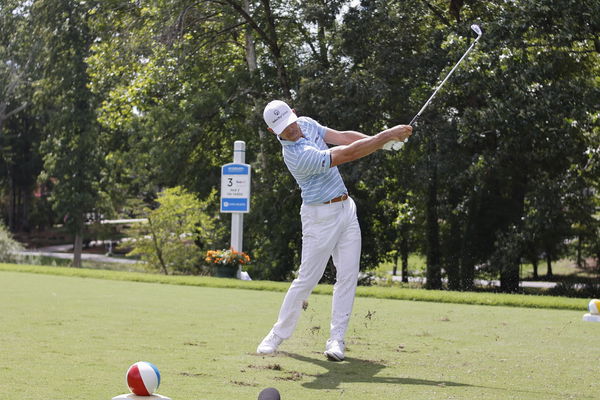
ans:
(444, 81)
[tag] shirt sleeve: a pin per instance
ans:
(313, 161)
(320, 128)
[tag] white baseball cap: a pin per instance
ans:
(278, 116)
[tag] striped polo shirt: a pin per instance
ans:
(309, 161)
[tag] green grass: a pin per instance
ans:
(86, 263)
(561, 269)
(416, 265)
(392, 293)
(66, 336)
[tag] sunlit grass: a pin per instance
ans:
(81, 334)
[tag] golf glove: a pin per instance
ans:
(393, 145)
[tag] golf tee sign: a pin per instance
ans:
(235, 193)
(235, 188)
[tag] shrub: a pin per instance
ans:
(169, 240)
(9, 247)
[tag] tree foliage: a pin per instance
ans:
(502, 167)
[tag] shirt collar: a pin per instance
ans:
(289, 142)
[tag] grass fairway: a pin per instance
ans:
(73, 338)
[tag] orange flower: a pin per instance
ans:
(227, 257)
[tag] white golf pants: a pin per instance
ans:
(328, 230)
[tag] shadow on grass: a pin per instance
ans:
(357, 370)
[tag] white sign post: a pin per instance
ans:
(235, 193)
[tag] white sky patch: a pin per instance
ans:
(345, 8)
(23, 9)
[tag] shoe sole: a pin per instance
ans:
(333, 357)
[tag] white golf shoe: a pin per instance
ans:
(269, 344)
(334, 350)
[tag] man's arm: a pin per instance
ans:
(342, 137)
(368, 144)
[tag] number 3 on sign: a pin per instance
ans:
(229, 181)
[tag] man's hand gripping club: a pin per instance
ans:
(370, 144)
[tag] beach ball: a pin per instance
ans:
(594, 306)
(143, 378)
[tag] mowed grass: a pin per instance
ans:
(65, 337)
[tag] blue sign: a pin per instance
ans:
(235, 188)
(235, 169)
(234, 205)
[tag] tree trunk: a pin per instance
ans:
(453, 257)
(580, 261)
(404, 252)
(405, 267)
(250, 47)
(18, 208)
(467, 273)
(535, 263)
(78, 245)
(157, 248)
(467, 255)
(467, 264)
(549, 263)
(434, 272)
(11, 203)
(273, 44)
(509, 277)
(252, 62)
(270, 38)
(323, 46)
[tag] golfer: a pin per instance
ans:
(329, 223)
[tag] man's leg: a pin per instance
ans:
(320, 232)
(346, 257)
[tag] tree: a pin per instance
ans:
(73, 154)
(19, 159)
(177, 232)
(180, 81)
(15, 59)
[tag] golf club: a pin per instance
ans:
(477, 30)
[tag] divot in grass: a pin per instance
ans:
(292, 376)
(240, 383)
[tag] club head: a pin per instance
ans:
(477, 30)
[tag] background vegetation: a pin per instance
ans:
(105, 103)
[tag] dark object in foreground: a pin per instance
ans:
(269, 394)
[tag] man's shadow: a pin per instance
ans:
(357, 370)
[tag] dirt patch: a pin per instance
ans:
(194, 344)
(274, 367)
(291, 376)
(240, 383)
(192, 375)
